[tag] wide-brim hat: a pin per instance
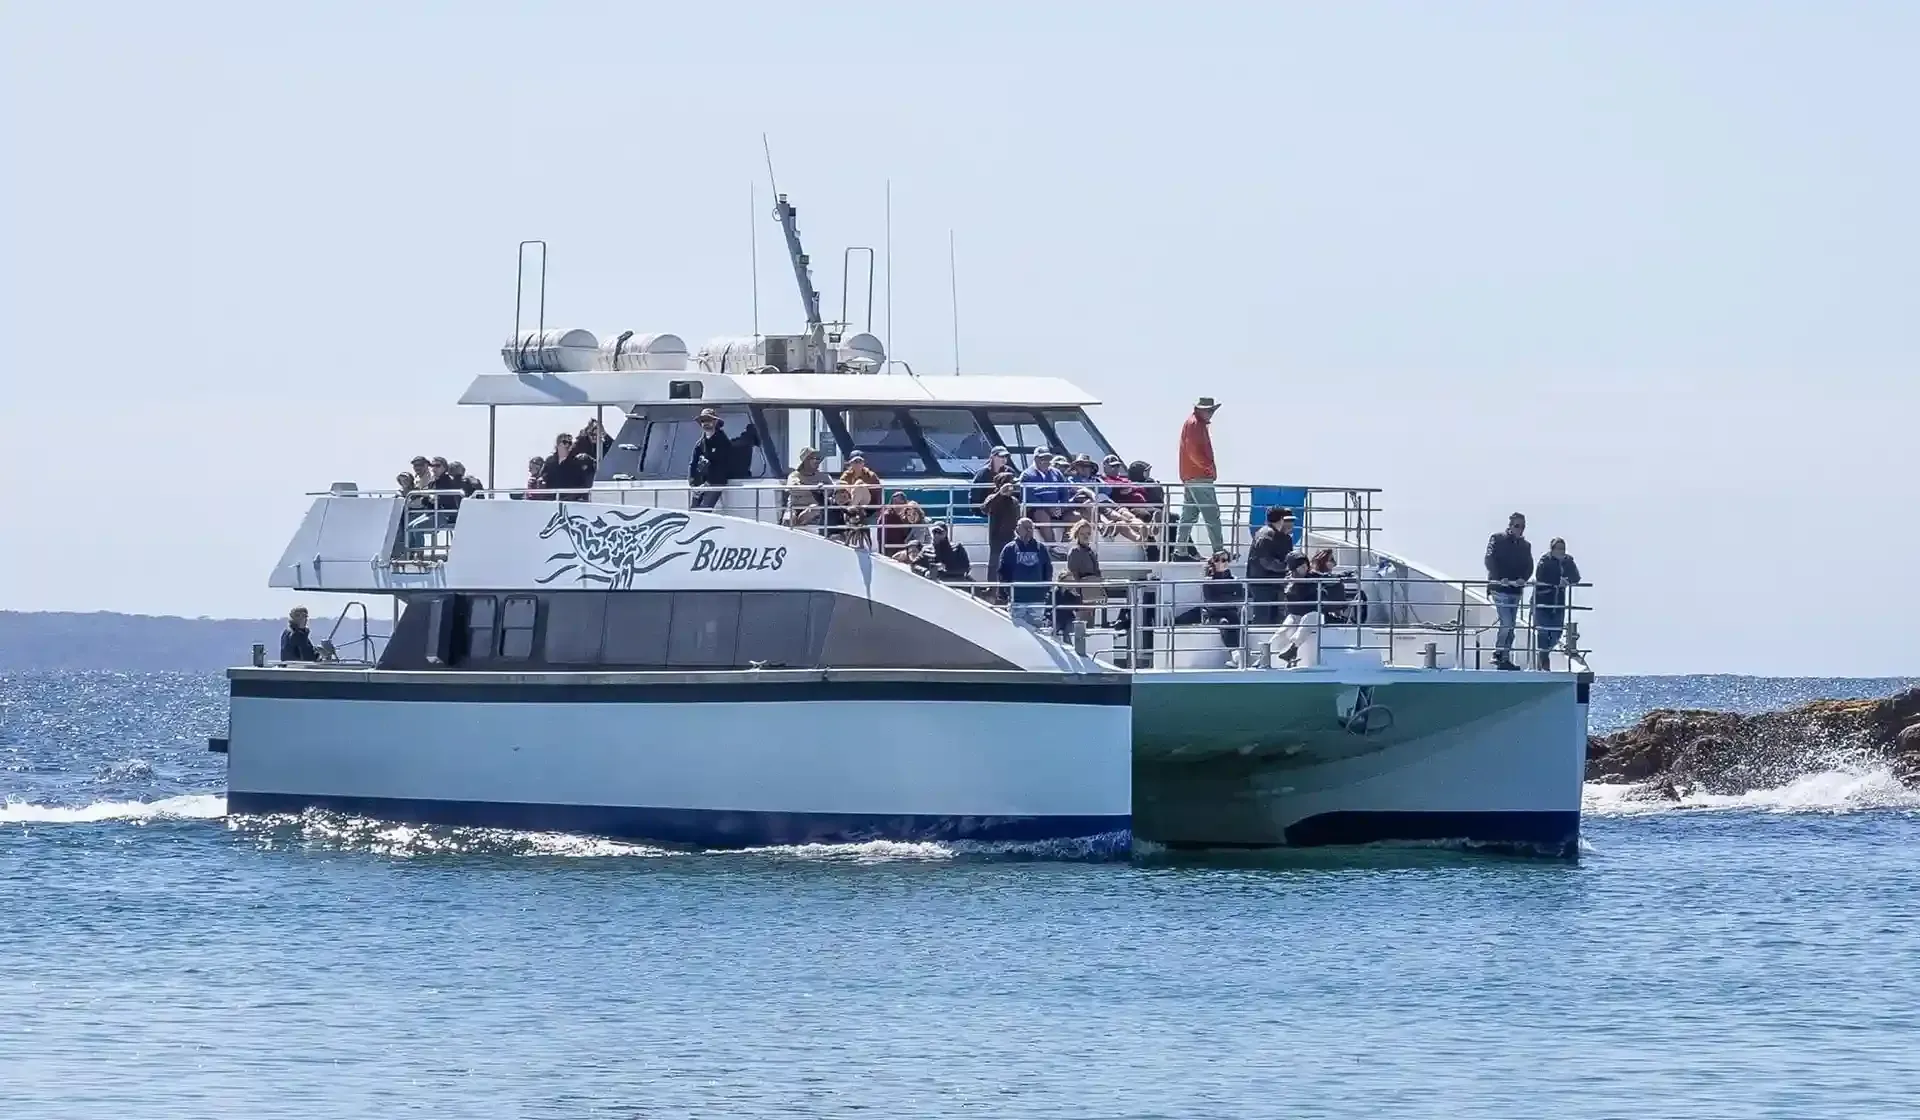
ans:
(706, 414)
(1206, 404)
(857, 456)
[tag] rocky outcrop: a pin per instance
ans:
(1673, 751)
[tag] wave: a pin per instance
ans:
(1846, 789)
(336, 831)
(188, 807)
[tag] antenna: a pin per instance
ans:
(889, 339)
(753, 252)
(818, 360)
(953, 284)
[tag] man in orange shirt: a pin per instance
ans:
(1197, 476)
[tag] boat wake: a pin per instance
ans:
(318, 829)
(189, 807)
(1845, 789)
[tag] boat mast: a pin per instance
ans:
(787, 216)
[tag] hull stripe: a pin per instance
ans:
(455, 690)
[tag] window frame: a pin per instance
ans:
(473, 653)
(531, 629)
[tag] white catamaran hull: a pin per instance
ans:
(1234, 759)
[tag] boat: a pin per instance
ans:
(701, 666)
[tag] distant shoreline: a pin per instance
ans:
(143, 643)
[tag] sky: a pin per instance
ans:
(1648, 272)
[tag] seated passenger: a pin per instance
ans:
(1044, 491)
(296, 644)
(854, 499)
(1113, 476)
(806, 490)
(951, 564)
(1333, 589)
(893, 523)
(1224, 595)
(1083, 472)
(1302, 591)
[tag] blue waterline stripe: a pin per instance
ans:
(694, 828)
(459, 688)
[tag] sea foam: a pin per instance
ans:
(196, 806)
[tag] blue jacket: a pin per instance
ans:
(1044, 488)
(1026, 562)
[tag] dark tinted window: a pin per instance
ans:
(1077, 433)
(954, 437)
(575, 622)
(705, 624)
(869, 635)
(636, 632)
(480, 641)
(516, 627)
(882, 434)
(623, 458)
(667, 451)
(776, 628)
(1019, 432)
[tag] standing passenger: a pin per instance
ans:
(1556, 573)
(1025, 563)
(712, 466)
(1002, 509)
(1509, 562)
(1197, 476)
(1267, 565)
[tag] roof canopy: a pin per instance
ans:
(834, 389)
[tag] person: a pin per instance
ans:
(986, 480)
(1044, 490)
(1083, 567)
(1025, 563)
(893, 523)
(593, 439)
(422, 473)
(566, 471)
(1333, 589)
(1556, 573)
(951, 564)
(1302, 592)
(1197, 477)
(712, 465)
(446, 488)
(1084, 473)
(1223, 595)
(469, 486)
(1267, 565)
(1509, 563)
(536, 466)
(917, 557)
(1153, 502)
(806, 490)
(855, 497)
(1117, 520)
(910, 528)
(1119, 487)
(1002, 510)
(296, 644)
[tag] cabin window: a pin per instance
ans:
(1019, 432)
(776, 629)
(622, 460)
(705, 625)
(480, 612)
(882, 433)
(672, 434)
(635, 635)
(517, 616)
(954, 438)
(575, 622)
(1076, 434)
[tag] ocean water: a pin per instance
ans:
(1730, 957)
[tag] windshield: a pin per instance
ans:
(1076, 433)
(954, 437)
(882, 434)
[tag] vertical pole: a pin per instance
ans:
(953, 284)
(889, 219)
(753, 253)
(493, 473)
